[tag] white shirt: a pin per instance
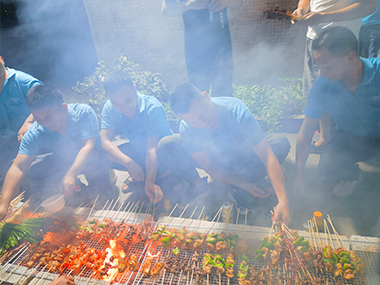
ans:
(329, 6)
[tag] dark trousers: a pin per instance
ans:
(369, 41)
(137, 157)
(339, 157)
(47, 170)
(242, 162)
(214, 69)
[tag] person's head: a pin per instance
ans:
(193, 106)
(122, 92)
(334, 51)
(46, 104)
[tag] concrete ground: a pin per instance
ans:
(357, 215)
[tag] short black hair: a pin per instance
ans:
(117, 79)
(182, 96)
(339, 41)
(43, 96)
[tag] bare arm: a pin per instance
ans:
(80, 162)
(304, 138)
(273, 168)
(12, 181)
(303, 7)
(220, 174)
(151, 161)
(356, 10)
(174, 8)
(24, 128)
(113, 153)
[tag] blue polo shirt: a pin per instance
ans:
(13, 108)
(237, 126)
(149, 121)
(353, 114)
(82, 124)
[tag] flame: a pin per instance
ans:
(153, 256)
(114, 252)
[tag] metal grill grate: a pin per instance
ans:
(255, 238)
(131, 247)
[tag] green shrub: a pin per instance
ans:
(272, 104)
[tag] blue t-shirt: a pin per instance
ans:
(237, 127)
(82, 124)
(356, 115)
(149, 121)
(13, 108)
(374, 18)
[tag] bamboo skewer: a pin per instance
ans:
(36, 277)
(89, 278)
(192, 214)
(184, 210)
(328, 231)
(228, 217)
(163, 277)
(89, 214)
(342, 244)
(118, 211)
(34, 270)
(319, 236)
(138, 216)
(213, 219)
(237, 220)
(146, 212)
(245, 222)
(127, 212)
(199, 218)
(154, 210)
(22, 275)
(105, 205)
(175, 206)
(217, 221)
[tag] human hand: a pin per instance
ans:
(198, 4)
(218, 5)
(258, 192)
(67, 184)
(298, 185)
(3, 211)
(22, 131)
(300, 11)
(281, 211)
(135, 171)
(63, 280)
(153, 191)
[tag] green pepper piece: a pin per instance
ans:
(264, 243)
(167, 233)
(176, 251)
(220, 259)
(245, 259)
(335, 258)
(165, 239)
(177, 237)
(305, 243)
(188, 241)
(166, 244)
(220, 238)
(242, 275)
(102, 226)
(345, 260)
(243, 267)
(258, 251)
(229, 265)
(192, 238)
(343, 253)
(181, 232)
(213, 235)
(92, 222)
(325, 260)
(154, 237)
(211, 240)
(199, 236)
(347, 266)
(298, 241)
(305, 249)
(233, 237)
(197, 243)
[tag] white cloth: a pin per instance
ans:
(329, 6)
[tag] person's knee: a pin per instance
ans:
(280, 147)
